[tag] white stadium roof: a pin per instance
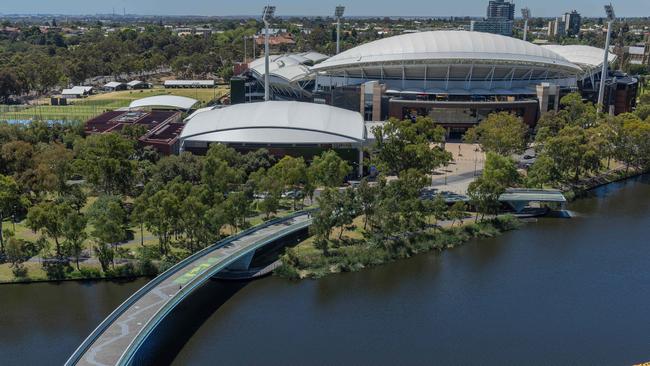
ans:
(289, 67)
(458, 46)
(276, 122)
(172, 101)
(586, 57)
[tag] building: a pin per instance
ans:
(114, 86)
(162, 128)
(174, 102)
(495, 26)
(620, 89)
(284, 128)
(137, 84)
(457, 78)
(556, 28)
(499, 20)
(290, 77)
(77, 92)
(501, 9)
(189, 84)
(572, 23)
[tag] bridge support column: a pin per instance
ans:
(243, 263)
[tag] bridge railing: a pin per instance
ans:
(127, 356)
(85, 345)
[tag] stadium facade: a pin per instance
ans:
(455, 77)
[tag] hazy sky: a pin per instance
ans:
(319, 7)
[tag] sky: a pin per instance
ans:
(543, 8)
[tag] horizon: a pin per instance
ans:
(288, 8)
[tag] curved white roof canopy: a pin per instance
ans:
(586, 57)
(276, 122)
(445, 46)
(290, 67)
(171, 101)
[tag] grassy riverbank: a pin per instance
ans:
(356, 250)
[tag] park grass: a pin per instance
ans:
(84, 109)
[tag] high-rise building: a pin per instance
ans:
(572, 23)
(495, 26)
(500, 17)
(556, 28)
(501, 9)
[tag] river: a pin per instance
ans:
(558, 291)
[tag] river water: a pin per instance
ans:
(558, 291)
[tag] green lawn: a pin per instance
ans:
(84, 109)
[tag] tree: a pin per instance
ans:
(438, 209)
(109, 221)
(499, 174)
(292, 173)
(74, 234)
(48, 218)
(501, 169)
(105, 161)
(9, 85)
(220, 169)
(457, 212)
(237, 208)
(541, 172)
(328, 169)
(366, 194)
(17, 255)
(10, 200)
(571, 152)
(404, 145)
(502, 133)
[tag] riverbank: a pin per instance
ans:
(581, 188)
(355, 251)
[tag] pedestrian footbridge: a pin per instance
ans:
(118, 338)
(521, 199)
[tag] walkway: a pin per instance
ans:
(118, 337)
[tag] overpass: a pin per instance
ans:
(118, 338)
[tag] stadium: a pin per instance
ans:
(455, 77)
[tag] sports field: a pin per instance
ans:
(84, 109)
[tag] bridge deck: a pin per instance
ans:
(120, 338)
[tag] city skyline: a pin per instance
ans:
(474, 8)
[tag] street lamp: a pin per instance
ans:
(525, 13)
(267, 15)
(609, 9)
(338, 13)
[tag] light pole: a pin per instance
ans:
(525, 12)
(609, 9)
(338, 13)
(269, 12)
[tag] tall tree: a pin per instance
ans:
(10, 200)
(105, 161)
(404, 145)
(109, 221)
(329, 169)
(502, 133)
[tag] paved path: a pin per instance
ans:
(135, 319)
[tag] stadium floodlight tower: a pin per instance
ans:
(269, 12)
(525, 13)
(338, 13)
(609, 9)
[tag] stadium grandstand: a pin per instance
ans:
(456, 77)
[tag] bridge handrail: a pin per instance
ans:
(150, 325)
(85, 345)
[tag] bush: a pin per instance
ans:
(90, 272)
(19, 271)
(146, 268)
(56, 269)
(125, 270)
